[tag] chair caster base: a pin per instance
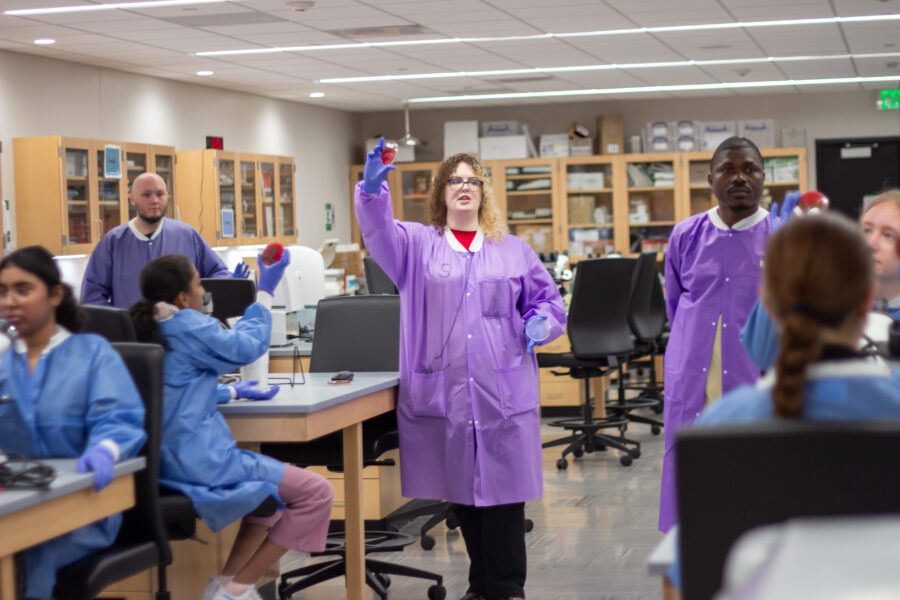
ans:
(655, 429)
(626, 460)
(427, 542)
(562, 464)
(437, 592)
(529, 525)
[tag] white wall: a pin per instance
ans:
(40, 96)
(822, 114)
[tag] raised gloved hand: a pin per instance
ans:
(270, 276)
(248, 389)
(99, 459)
(778, 218)
(537, 329)
(241, 271)
(375, 172)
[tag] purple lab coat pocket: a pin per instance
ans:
(518, 389)
(427, 395)
(496, 298)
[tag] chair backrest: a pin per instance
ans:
(647, 306)
(113, 323)
(357, 333)
(377, 281)
(736, 477)
(145, 521)
(231, 296)
(598, 314)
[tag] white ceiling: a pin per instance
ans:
(147, 41)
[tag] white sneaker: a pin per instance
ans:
(213, 586)
(250, 594)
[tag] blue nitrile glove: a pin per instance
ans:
(778, 218)
(248, 390)
(241, 271)
(99, 459)
(270, 276)
(536, 331)
(375, 172)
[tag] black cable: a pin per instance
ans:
(456, 315)
(22, 473)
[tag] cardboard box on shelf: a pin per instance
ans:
(539, 237)
(502, 147)
(581, 209)
(611, 133)
(499, 128)
(554, 145)
(581, 147)
(578, 131)
(460, 136)
(713, 133)
(760, 131)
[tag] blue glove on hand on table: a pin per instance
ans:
(375, 172)
(778, 218)
(270, 277)
(241, 271)
(248, 390)
(99, 459)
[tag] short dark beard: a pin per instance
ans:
(151, 220)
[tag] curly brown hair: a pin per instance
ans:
(488, 213)
(818, 271)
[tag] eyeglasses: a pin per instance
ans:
(456, 183)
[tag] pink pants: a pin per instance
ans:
(303, 524)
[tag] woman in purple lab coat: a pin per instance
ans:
(468, 400)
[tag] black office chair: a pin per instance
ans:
(142, 542)
(377, 281)
(231, 296)
(601, 342)
(113, 323)
(647, 319)
(358, 333)
(737, 477)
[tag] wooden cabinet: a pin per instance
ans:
(594, 205)
(235, 199)
(65, 201)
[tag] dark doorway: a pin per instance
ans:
(848, 170)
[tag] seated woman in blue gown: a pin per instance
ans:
(71, 396)
(818, 286)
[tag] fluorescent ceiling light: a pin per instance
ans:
(112, 6)
(205, 73)
(657, 88)
(604, 67)
(317, 95)
(44, 42)
(545, 36)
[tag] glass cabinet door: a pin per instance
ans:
(164, 165)
(651, 203)
(227, 205)
(78, 211)
(109, 199)
(415, 186)
(286, 199)
(135, 164)
(529, 204)
(589, 208)
(248, 199)
(267, 176)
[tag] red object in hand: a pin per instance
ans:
(389, 152)
(272, 253)
(813, 199)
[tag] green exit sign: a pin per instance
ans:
(889, 100)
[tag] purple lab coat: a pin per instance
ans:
(114, 269)
(468, 399)
(711, 270)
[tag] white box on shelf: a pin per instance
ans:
(460, 136)
(759, 131)
(499, 128)
(554, 145)
(575, 180)
(592, 180)
(691, 128)
(687, 143)
(660, 143)
(581, 147)
(503, 147)
(658, 129)
(713, 133)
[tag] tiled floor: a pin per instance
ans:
(593, 531)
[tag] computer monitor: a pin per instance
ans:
(303, 284)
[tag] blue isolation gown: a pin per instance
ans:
(79, 394)
(199, 456)
(113, 272)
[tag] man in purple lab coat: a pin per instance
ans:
(113, 271)
(712, 281)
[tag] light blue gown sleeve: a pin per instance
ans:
(115, 410)
(387, 240)
(760, 338)
(223, 394)
(208, 263)
(540, 296)
(210, 346)
(96, 287)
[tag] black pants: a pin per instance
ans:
(495, 541)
